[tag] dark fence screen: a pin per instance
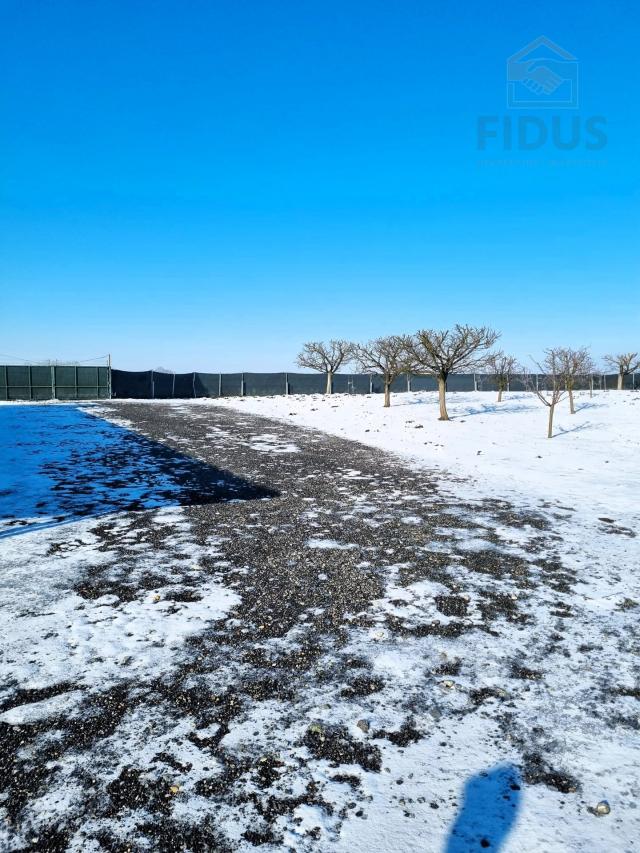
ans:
(163, 385)
(517, 383)
(486, 383)
(264, 384)
(184, 385)
(629, 383)
(81, 382)
(231, 384)
(423, 383)
(54, 382)
(351, 383)
(136, 384)
(206, 384)
(398, 386)
(461, 382)
(307, 383)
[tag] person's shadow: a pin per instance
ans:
(488, 812)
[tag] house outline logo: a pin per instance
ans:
(542, 75)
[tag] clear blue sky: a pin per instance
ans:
(205, 185)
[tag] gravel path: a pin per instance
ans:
(370, 615)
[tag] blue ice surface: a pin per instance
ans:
(60, 463)
(488, 812)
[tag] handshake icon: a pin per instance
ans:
(542, 75)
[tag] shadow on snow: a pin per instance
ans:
(488, 812)
(60, 464)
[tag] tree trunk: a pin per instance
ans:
(442, 390)
(550, 429)
(387, 395)
(572, 407)
(499, 393)
(620, 381)
(329, 382)
(591, 386)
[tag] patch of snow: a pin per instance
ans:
(34, 712)
(329, 544)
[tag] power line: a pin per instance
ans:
(17, 358)
(97, 358)
(40, 361)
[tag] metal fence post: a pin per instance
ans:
(193, 383)
(173, 385)
(370, 384)
(53, 382)
(242, 384)
(475, 383)
(286, 385)
(219, 385)
(153, 387)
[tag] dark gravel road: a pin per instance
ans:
(255, 716)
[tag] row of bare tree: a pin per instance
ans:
(462, 349)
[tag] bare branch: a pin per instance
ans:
(440, 353)
(624, 364)
(500, 367)
(325, 357)
(389, 356)
(554, 382)
(573, 364)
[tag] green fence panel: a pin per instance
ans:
(19, 392)
(264, 384)
(307, 383)
(17, 375)
(66, 377)
(47, 382)
(89, 382)
(207, 384)
(231, 384)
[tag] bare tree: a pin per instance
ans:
(501, 367)
(554, 383)
(625, 363)
(388, 356)
(440, 353)
(574, 363)
(326, 358)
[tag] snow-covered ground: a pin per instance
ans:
(587, 480)
(591, 465)
(377, 659)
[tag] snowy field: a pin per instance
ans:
(341, 629)
(592, 464)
